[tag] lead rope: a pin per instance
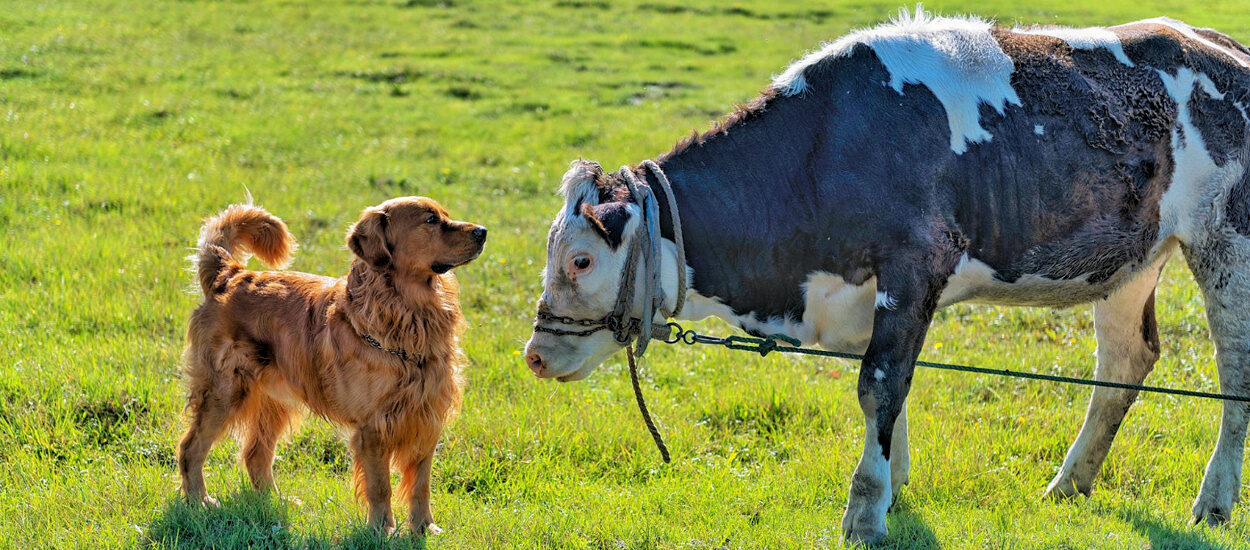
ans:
(653, 293)
(642, 406)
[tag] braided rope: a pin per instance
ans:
(678, 239)
(642, 406)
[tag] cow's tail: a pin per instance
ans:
(227, 238)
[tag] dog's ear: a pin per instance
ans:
(367, 239)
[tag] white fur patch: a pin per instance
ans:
(975, 281)
(884, 301)
(837, 315)
(878, 374)
(957, 59)
(1186, 209)
(1090, 38)
(1242, 109)
(578, 185)
(1188, 31)
(1039, 129)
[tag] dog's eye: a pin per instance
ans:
(432, 219)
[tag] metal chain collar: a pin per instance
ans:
(397, 352)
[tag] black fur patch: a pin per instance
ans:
(843, 177)
(1237, 210)
(608, 220)
(1149, 326)
(1221, 124)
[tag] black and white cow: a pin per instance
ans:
(937, 160)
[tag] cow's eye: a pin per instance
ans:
(432, 219)
(580, 264)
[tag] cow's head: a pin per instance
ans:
(587, 248)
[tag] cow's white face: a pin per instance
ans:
(586, 251)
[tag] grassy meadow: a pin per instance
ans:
(123, 124)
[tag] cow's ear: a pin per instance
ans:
(608, 220)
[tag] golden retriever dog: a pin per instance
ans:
(375, 351)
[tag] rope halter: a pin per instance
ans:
(644, 248)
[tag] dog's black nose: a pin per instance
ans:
(480, 234)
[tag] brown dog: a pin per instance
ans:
(375, 351)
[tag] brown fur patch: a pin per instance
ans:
(266, 344)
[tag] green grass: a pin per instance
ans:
(122, 124)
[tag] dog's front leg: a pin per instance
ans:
(373, 475)
(900, 322)
(420, 517)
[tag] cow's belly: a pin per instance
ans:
(974, 281)
(838, 315)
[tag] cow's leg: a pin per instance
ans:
(900, 456)
(1222, 267)
(884, 380)
(1128, 346)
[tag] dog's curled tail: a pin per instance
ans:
(227, 238)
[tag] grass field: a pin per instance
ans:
(122, 124)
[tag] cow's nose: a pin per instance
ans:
(479, 234)
(535, 361)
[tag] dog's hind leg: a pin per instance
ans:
(211, 400)
(264, 420)
(371, 463)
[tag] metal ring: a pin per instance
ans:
(675, 333)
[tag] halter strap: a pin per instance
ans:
(645, 247)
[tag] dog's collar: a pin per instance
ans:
(401, 353)
(397, 352)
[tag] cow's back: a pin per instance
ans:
(1115, 148)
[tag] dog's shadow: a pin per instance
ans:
(247, 519)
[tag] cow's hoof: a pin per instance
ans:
(863, 529)
(1211, 513)
(1063, 488)
(867, 537)
(1220, 488)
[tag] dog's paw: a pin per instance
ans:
(382, 523)
(210, 503)
(425, 527)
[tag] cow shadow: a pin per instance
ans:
(1165, 533)
(248, 519)
(907, 529)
